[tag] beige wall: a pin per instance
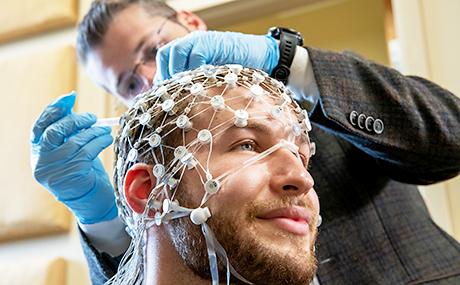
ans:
(336, 25)
(429, 35)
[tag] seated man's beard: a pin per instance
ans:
(257, 261)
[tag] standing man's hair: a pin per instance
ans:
(95, 24)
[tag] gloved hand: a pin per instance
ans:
(64, 150)
(217, 48)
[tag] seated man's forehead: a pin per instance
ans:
(239, 105)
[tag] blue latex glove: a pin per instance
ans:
(216, 48)
(64, 150)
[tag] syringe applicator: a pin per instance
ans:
(115, 121)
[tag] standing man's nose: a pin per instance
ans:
(147, 71)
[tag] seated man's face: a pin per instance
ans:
(265, 212)
(229, 140)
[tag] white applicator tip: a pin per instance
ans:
(104, 122)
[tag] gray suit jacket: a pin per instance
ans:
(376, 228)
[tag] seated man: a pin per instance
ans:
(212, 165)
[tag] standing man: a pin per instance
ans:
(376, 228)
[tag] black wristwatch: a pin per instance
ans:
(289, 39)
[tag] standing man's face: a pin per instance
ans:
(265, 215)
(124, 64)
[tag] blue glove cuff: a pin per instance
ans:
(110, 215)
(274, 54)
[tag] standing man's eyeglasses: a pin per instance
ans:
(132, 83)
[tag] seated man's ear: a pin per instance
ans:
(139, 182)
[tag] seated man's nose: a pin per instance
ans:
(290, 173)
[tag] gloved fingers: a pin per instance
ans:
(272, 53)
(90, 141)
(56, 134)
(66, 181)
(178, 56)
(162, 62)
(190, 46)
(214, 47)
(100, 170)
(59, 108)
(75, 172)
(197, 58)
(68, 152)
(95, 146)
(97, 165)
(71, 184)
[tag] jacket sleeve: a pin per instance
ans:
(409, 124)
(101, 265)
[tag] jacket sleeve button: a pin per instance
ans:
(361, 121)
(378, 126)
(354, 118)
(369, 123)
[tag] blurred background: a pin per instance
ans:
(39, 243)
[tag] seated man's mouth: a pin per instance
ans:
(293, 219)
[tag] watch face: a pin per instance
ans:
(275, 32)
(281, 73)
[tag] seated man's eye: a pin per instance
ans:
(306, 162)
(247, 146)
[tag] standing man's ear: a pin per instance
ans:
(191, 21)
(139, 182)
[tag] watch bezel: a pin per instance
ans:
(275, 32)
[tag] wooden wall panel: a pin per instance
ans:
(37, 272)
(27, 85)
(21, 18)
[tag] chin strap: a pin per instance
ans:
(214, 247)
